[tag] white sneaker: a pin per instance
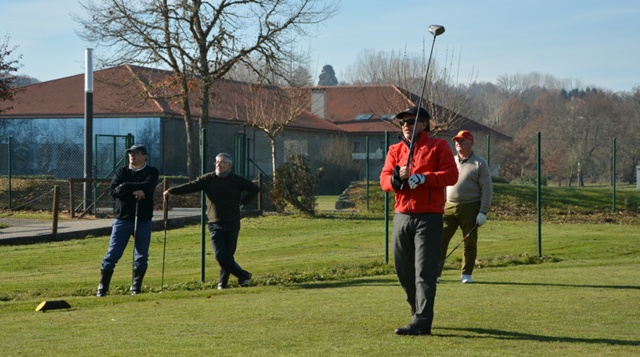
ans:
(466, 279)
(437, 279)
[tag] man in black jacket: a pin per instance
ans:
(224, 190)
(132, 188)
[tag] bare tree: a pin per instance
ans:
(443, 96)
(199, 41)
(7, 67)
(446, 96)
(382, 67)
(629, 134)
(270, 109)
(576, 134)
(297, 72)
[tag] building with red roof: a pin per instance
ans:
(46, 124)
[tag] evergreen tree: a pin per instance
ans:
(7, 79)
(328, 76)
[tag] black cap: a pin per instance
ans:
(413, 111)
(139, 148)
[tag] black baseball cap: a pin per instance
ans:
(139, 148)
(413, 111)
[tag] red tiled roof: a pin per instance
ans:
(118, 91)
(65, 97)
(344, 103)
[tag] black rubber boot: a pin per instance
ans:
(136, 286)
(105, 280)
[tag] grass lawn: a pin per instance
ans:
(321, 288)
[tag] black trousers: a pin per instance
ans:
(224, 241)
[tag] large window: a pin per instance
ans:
(55, 147)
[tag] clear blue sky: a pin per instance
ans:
(594, 42)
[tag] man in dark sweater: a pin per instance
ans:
(224, 190)
(132, 188)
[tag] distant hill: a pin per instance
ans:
(20, 81)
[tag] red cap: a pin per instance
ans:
(463, 134)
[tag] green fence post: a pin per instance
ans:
(203, 203)
(613, 174)
(247, 157)
(366, 175)
(241, 147)
(489, 152)
(538, 196)
(386, 207)
(94, 170)
(9, 151)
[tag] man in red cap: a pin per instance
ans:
(468, 202)
(417, 170)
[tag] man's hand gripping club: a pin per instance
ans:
(401, 174)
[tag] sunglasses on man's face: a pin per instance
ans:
(407, 121)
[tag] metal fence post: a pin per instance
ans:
(203, 204)
(386, 207)
(56, 205)
(613, 174)
(9, 152)
(538, 195)
(489, 152)
(366, 175)
(94, 175)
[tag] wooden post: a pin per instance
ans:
(260, 195)
(56, 204)
(72, 210)
(165, 203)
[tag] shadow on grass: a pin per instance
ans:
(631, 287)
(348, 283)
(509, 335)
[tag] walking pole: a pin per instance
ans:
(135, 231)
(165, 214)
(454, 249)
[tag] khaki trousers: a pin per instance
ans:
(464, 216)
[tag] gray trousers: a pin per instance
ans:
(416, 253)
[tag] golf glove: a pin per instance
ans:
(416, 179)
(481, 219)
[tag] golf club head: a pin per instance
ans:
(436, 30)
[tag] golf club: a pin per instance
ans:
(135, 230)
(436, 30)
(456, 247)
(165, 215)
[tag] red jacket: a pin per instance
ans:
(433, 158)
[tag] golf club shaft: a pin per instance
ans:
(135, 231)
(424, 85)
(456, 247)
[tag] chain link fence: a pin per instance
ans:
(346, 172)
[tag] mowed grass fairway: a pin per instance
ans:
(321, 288)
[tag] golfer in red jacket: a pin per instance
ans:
(417, 170)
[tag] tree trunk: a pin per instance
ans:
(191, 149)
(188, 127)
(274, 157)
(204, 116)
